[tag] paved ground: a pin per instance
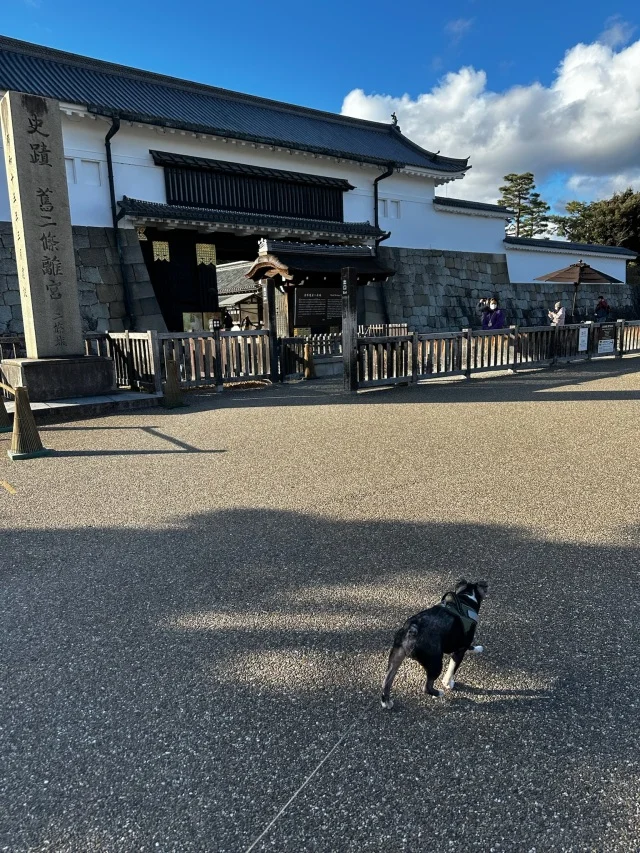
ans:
(197, 606)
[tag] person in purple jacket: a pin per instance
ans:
(496, 318)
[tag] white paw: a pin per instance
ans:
(440, 693)
(449, 685)
(477, 650)
(388, 705)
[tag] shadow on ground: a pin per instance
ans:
(563, 384)
(170, 689)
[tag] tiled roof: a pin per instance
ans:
(463, 204)
(232, 278)
(151, 210)
(166, 158)
(561, 245)
(109, 89)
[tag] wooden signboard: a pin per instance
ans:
(317, 306)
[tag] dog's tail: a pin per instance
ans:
(403, 644)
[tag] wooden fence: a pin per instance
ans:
(217, 358)
(391, 360)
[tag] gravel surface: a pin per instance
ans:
(197, 606)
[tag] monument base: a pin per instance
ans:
(60, 378)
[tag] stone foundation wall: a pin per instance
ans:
(435, 290)
(99, 282)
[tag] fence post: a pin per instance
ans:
(414, 357)
(128, 355)
(154, 357)
(469, 339)
(217, 361)
(554, 347)
(269, 303)
(620, 325)
(349, 328)
(516, 346)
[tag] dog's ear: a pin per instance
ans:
(482, 587)
(461, 582)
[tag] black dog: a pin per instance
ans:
(448, 627)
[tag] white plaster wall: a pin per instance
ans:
(525, 265)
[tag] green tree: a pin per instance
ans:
(611, 221)
(530, 212)
(535, 220)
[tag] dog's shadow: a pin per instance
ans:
(500, 698)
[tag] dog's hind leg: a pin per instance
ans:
(396, 656)
(433, 666)
(404, 643)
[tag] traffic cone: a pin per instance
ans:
(5, 420)
(172, 391)
(309, 366)
(25, 441)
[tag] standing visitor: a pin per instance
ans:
(557, 315)
(496, 316)
(228, 321)
(602, 309)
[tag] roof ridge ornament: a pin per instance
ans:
(394, 122)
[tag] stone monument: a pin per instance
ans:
(55, 366)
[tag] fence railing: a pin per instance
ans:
(383, 330)
(390, 360)
(214, 358)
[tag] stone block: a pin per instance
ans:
(110, 275)
(140, 272)
(93, 257)
(142, 290)
(12, 297)
(16, 310)
(81, 241)
(91, 275)
(108, 292)
(117, 310)
(16, 326)
(5, 314)
(57, 378)
(130, 236)
(7, 266)
(132, 254)
(98, 238)
(88, 298)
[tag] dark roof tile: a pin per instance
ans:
(110, 89)
(569, 247)
(152, 210)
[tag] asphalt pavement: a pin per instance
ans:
(197, 605)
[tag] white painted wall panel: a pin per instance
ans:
(526, 266)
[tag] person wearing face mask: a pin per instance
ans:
(496, 316)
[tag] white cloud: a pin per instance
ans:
(457, 28)
(616, 32)
(584, 126)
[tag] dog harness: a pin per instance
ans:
(464, 612)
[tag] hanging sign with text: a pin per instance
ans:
(39, 203)
(317, 306)
(606, 340)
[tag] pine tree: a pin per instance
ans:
(530, 212)
(536, 217)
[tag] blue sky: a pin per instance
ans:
(317, 53)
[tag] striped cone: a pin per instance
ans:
(5, 420)
(25, 441)
(172, 391)
(309, 366)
